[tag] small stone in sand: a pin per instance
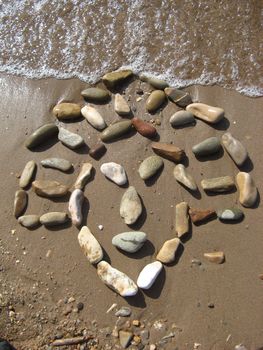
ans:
(27, 174)
(84, 176)
(207, 147)
(116, 130)
(48, 188)
(125, 338)
(182, 118)
(131, 206)
(56, 163)
(150, 166)
(218, 184)
(121, 106)
(75, 206)
(206, 113)
(66, 111)
(184, 178)
(181, 219)
(70, 139)
(168, 251)
(149, 274)
(235, 149)
(124, 311)
(168, 151)
(95, 95)
(130, 242)
(29, 221)
(155, 100)
(20, 202)
(248, 192)
(199, 215)
(93, 117)
(42, 134)
(215, 257)
(53, 218)
(230, 214)
(90, 245)
(115, 172)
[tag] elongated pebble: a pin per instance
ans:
(168, 251)
(218, 184)
(181, 219)
(180, 97)
(131, 206)
(90, 246)
(20, 202)
(116, 130)
(121, 106)
(235, 149)
(248, 192)
(53, 218)
(84, 176)
(75, 206)
(49, 188)
(207, 147)
(215, 257)
(230, 214)
(154, 82)
(201, 215)
(66, 111)
(113, 79)
(150, 166)
(56, 163)
(183, 177)
(144, 128)
(70, 139)
(29, 221)
(209, 114)
(27, 174)
(95, 95)
(155, 100)
(41, 135)
(115, 172)
(168, 151)
(93, 117)
(181, 118)
(149, 274)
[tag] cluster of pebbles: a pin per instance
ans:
(131, 206)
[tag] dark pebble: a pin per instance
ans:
(98, 151)
(80, 306)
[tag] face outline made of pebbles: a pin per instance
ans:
(115, 172)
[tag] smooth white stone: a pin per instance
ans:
(115, 172)
(90, 245)
(75, 206)
(93, 117)
(149, 274)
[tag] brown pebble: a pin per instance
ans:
(137, 339)
(198, 215)
(168, 151)
(143, 128)
(98, 151)
(215, 257)
(136, 323)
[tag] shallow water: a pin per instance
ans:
(185, 42)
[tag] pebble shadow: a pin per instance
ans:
(184, 161)
(155, 291)
(212, 194)
(195, 193)
(85, 211)
(206, 221)
(137, 301)
(122, 86)
(188, 235)
(128, 135)
(82, 150)
(232, 222)
(5, 345)
(247, 166)
(184, 126)
(141, 220)
(178, 255)
(256, 205)
(64, 226)
(214, 156)
(153, 179)
(46, 145)
(60, 199)
(148, 249)
(222, 125)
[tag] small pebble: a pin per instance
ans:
(150, 166)
(123, 312)
(93, 117)
(155, 100)
(215, 257)
(20, 202)
(184, 178)
(115, 172)
(207, 147)
(27, 174)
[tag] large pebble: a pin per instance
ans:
(65, 111)
(168, 151)
(116, 280)
(218, 184)
(199, 215)
(144, 128)
(112, 79)
(168, 251)
(27, 174)
(155, 100)
(75, 206)
(148, 275)
(181, 219)
(205, 112)
(90, 246)
(97, 151)
(29, 221)
(95, 95)
(131, 206)
(84, 176)
(20, 202)
(93, 117)
(181, 118)
(181, 98)
(150, 166)
(42, 134)
(115, 172)
(154, 82)
(182, 176)
(70, 139)
(215, 257)
(53, 218)
(116, 130)
(207, 147)
(48, 188)
(130, 242)
(230, 214)
(235, 149)
(56, 163)
(248, 192)
(121, 106)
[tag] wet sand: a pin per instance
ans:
(183, 291)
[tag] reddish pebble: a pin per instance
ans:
(143, 128)
(98, 151)
(198, 216)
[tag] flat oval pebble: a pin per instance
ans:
(182, 176)
(84, 176)
(218, 184)
(207, 147)
(131, 206)
(154, 82)
(70, 139)
(116, 280)
(149, 274)
(20, 202)
(75, 206)
(42, 134)
(27, 174)
(65, 111)
(93, 117)
(115, 172)
(168, 251)
(235, 149)
(150, 166)
(121, 106)
(182, 226)
(56, 163)
(155, 100)
(123, 312)
(116, 130)
(181, 118)
(130, 242)
(90, 246)
(230, 214)
(181, 98)
(112, 79)
(205, 112)
(95, 95)
(248, 192)
(215, 257)
(29, 221)
(144, 128)
(200, 215)
(53, 218)
(48, 188)
(168, 151)
(97, 151)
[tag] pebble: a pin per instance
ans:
(97, 151)
(206, 113)
(168, 151)
(116, 280)
(123, 312)
(182, 118)
(48, 188)
(218, 184)
(198, 215)
(56, 163)
(66, 111)
(53, 218)
(42, 134)
(215, 257)
(230, 214)
(90, 245)
(112, 79)
(115, 172)
(75, 206)
(155, 100)
(121, 106)
(125, 338)
(184, 178)
(150, 166)
(131, 206)
(84, 176)
(20, 202)
(29, 221)
(154, 82)
(27, 174)
(95, 95)
(144, 128)
(248, 192)
(168, 251)
(130, 242)
(181, 98)
(181, 219)
(116, 130)
(93, 117)
(70, 139)
(207, 147)
(149, 274)
(235, 149)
